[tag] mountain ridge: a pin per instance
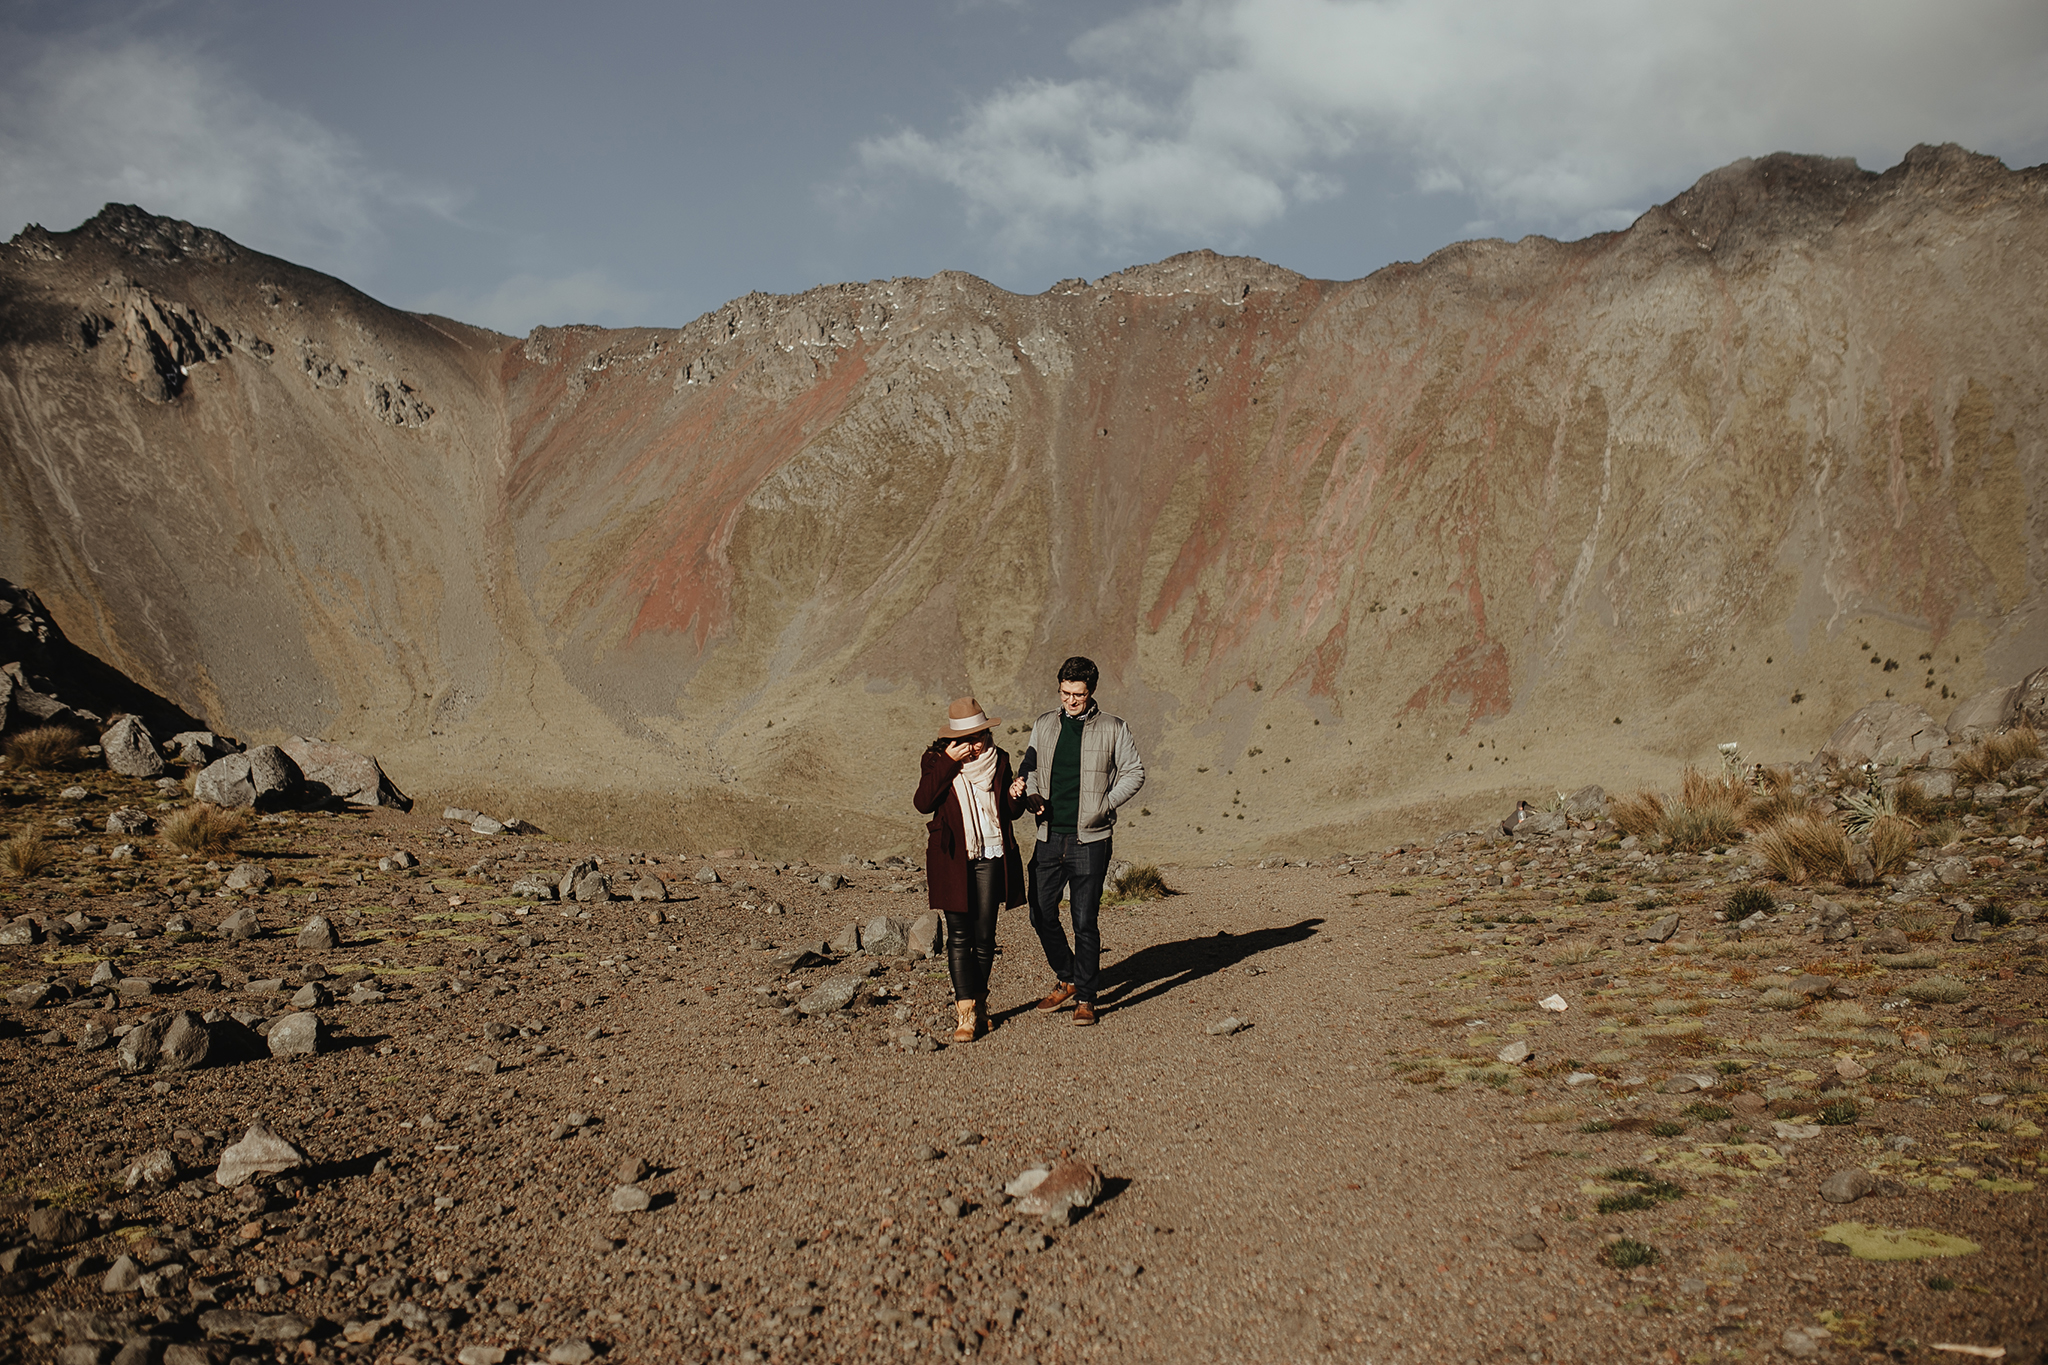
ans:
(1504, 494)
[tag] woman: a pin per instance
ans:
(971, 862)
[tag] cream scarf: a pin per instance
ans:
(975, 788)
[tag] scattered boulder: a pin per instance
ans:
(1515, 1053)
(312, 996)
(140, 1045)
(1662, 930)
(884, 937)
(35, 995)
(399, 861)
(630, 1199)
(130, 749)
(594, 886)
(260, 1152)
(265, 778)
(484, 824)
(157, 1168)
(222, 1322)
(649, 888)
(532, 888)
(197, 748)
(240, 924)
(1890, 940)
(1586, 803)
(128, 820)
(344, 774)
(55, 1226)
(1223, 1028)
(123, 1277)
(188, 1043)
(708, 874)
(846, 942)
(833, 993)
(1835, 924)
(295, 1035)
(1884, 732)
(318, 935)
(1846, 1187)
(17, 933)
(250, 877)
(1057, 1194)
(922, 939)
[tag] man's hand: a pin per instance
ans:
(1016, 788)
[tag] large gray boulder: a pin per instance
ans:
(198, 747)
(2030, 700)
(884, 937)
(1885, 733)
(1985, 714)
(354, 778)
(265, 778)
(131, 750)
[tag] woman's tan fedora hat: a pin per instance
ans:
(965, 718)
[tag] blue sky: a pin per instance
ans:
(517, 163)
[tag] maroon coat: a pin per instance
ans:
(945, 854)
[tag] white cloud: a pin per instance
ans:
(523, 302)
(82, 124)
(1207, 118)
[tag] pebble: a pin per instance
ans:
(1223, 1028)
(632, 1170)
(708, 874)
(1528, 1241)
(574, 1351)
(1991, 1101)
(1515, 1053)
(630, 1199)
(1578, 1078)
(1554, 1003)
(1851, 1071)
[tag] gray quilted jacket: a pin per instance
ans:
(1111, 772)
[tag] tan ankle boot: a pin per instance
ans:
(963, 1010)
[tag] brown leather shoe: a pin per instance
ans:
(1084, 1013)
(1060, 996)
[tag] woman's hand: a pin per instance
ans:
(1016, 788)
(959, 751)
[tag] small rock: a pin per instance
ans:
(630, 1199)
(708, 874)
(1846, 1187)
(318, 935)
(240, 925)
(1579, 1078)
(480, 1355)
(1554, 1003)
(296, 1035)
(1801, 1343)
(260, 1152)
(249, 877)
(484, 824)
(131, 750)
(312, 996)
(833, 993)
(1070, 1186)
(575, 1351)
(1685, 1082)
(1662, 930)
(58, 1227)
(1850, 1070)
(20, 933)
(158, 1167)
(1528, 1241)
(460, 815)
(884, 937)
(846, 942)
(632, 1171)
(1967, 929)
(1748, 1104)
(124, 1278)
(1223, 1028)
(1991, 1101)
(1515, 1053)
(923, 938)
(1796, 1132)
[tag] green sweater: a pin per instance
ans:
(1063, 783)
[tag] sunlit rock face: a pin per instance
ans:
(1517, 517)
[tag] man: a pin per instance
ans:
(1086, 766)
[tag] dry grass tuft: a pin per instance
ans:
(1142, 883)
(1912, 801)
(1939, 990)
(204, 829)
(1892, 840)
(1712, 791)
(1773, 806)
(1640, 814)
(1804, 848)
(45, 747)
(27, 853)
(1694, 829)
(1985, 761)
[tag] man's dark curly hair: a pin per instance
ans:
(1080, 670)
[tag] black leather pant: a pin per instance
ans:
(971, 934)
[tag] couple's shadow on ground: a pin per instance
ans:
(1157, 968)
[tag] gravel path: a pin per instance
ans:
(1352, 1175)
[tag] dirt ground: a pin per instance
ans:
(1353, 1175)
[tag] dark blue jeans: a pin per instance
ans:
(1062, 862)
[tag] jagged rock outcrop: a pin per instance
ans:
(1726, 475)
